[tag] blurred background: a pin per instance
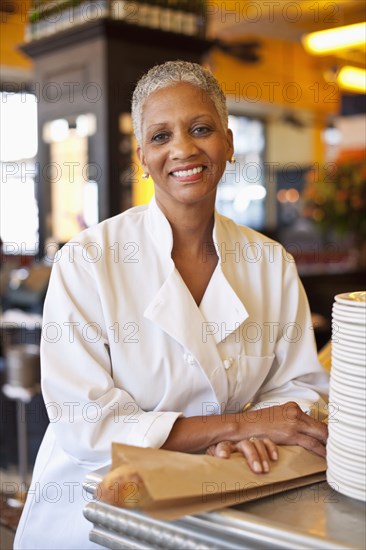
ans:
(294, 76)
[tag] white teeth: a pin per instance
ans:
(186, 173)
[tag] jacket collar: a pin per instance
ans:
(160, 231)
(220, 312)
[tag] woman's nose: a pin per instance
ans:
(183, 146)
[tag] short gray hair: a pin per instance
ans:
(168, 74)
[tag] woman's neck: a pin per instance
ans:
(192, 227)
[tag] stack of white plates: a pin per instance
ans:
(346, 447)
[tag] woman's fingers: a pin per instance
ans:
(312, 434)
(222, 449)
(317, 430)
(258, 452)
(312, 444)
(271, 448)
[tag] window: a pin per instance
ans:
(18, 148)
(74, 191)
(241, 192)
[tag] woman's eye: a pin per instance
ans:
(160, 137)
(201, 130)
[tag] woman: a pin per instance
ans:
(163, 324)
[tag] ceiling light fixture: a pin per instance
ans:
(353, 79)
(331, 40)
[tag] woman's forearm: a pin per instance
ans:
(197, 433)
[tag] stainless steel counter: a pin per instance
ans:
(313, 517)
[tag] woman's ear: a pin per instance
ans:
(230, 144)
(141, 158)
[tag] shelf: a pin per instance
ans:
(118, 30)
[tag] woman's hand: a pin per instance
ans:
(260, 430)
(258, 452)
(284, 424)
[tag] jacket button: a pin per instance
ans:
(188, 358)
(228, 362)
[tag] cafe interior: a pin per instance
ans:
(294, 76)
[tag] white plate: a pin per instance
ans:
(356, 348)
(355, 299)
(345, 345)
(357, 453)
(340, 317)
(348, 386)
(343, 476)
(349, 358)
(348, 370)
(353, 328)
(349, 316)
(342, 337)
(344, 489)
(353, 347)
(347, 332)
(350, 418)
(347, 327)
(336, 447)
(347, 390)
(348, 355)
(348, 436)
(345, 366)
(345, 413)
(358, 373)
(347, 469)
(352, 383)
(344, 437)
(347, 309)
(343, 369)
(349, 376)
(350, 477)
(343, 307)
(350, 404)
(347, 433)
(334, 450)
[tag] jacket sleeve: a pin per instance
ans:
(86, 410)
(296, 373)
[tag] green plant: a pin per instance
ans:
(335, 197)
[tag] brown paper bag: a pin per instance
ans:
(169, 484)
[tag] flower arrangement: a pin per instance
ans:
(335, 197)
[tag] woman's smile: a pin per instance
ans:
(191, 173)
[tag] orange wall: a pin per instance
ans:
(12, 29)
(285, 75)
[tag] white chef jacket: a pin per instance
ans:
(126, 350)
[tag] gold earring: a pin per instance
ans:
(232, 160)
(145, 176)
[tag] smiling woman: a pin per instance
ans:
(187, 331)
(184, 146)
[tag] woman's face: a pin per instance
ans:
(184, 146)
